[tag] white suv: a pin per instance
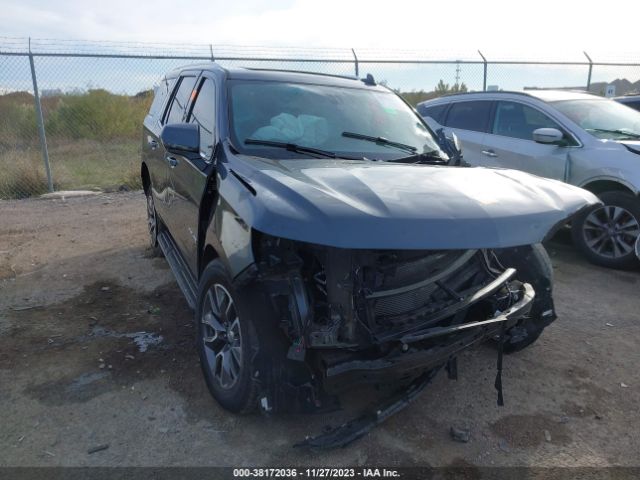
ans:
(582, 139)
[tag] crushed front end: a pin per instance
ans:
(383, 317)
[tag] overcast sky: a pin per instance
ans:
(539, 28)
(503, 30)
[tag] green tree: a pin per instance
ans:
(442, 88)
(459, 88)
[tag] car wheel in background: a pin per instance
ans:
(607, 235)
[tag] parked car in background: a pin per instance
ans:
(317, 228)
(632, 101)
(578, 138)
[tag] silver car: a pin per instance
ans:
(581, 139)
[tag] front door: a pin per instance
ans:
(188, 175)
(510, 143)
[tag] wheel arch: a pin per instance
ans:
(145, 177)
(598, 186)
(209, 254)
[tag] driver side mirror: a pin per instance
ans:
(548, 136)
(181, 138)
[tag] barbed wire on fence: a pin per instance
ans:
(93, 95)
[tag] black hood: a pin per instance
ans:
(377, 205)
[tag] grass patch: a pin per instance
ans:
(79, 164)
(90, 165)
(21, 175)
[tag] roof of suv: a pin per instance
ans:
(544, 95)
(555, 95)
(279, 76)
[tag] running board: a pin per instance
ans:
(179, 267)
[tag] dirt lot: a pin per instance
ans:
(96, 349)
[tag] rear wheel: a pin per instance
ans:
(152, 223)
(607, 235)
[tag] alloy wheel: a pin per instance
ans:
(152, 221)
(222, 337)
(611, 231)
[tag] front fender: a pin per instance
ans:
(227, 232)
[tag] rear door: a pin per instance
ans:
(510, 141)
(152, 154)
(188, 175)
(175, 113)
(469, 119)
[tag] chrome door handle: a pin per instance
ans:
(489, 153)
(152, 144)
(173, 161)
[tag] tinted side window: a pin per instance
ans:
(436, 112)
(180, 100)
(635, 104)
(161, 93)
(517, 120)
(469, 115)
(204, 114)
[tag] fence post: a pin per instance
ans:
(211, 51)
(484, 77)
(590, 69)
(355, 58)
(43, 137)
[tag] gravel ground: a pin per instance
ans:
(96, 350)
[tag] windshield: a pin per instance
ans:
(602, 118)
(344, 121)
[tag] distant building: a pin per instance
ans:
(492, 88)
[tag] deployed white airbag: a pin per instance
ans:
(307, 130)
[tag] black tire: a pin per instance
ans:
(153, 223)
(534, 267)
(533, 332)
(617, 223)
(239, 392)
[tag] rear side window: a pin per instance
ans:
(161, 93)
(204, 114)
(436, 111)
(180, 100)
(469, 115)
(516, 120)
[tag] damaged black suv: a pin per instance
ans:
(324, 236)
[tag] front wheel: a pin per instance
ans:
(607, 235)
(533, 266)
(238, 340)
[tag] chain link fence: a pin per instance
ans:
(82, 128)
